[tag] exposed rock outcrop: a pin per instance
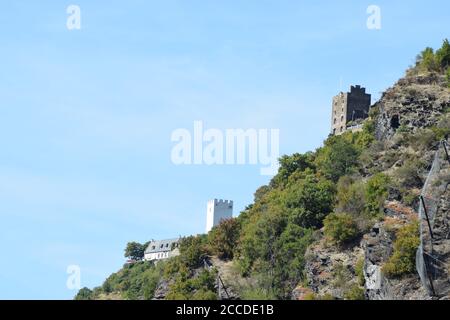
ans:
(331, 270)
(378, 249)
(413, 102)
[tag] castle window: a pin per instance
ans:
(334, 120)
(342, 118)
(334, 131)
(342, 129)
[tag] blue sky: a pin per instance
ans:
(86, 115)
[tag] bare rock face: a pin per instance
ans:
(413, 102)
(378, 248)
(162, 290)
(301, 293)
(330, 270)
(438, 258)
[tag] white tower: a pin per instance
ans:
(217, 210)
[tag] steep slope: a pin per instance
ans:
(409, 120)
(414, 102)
(341, 222)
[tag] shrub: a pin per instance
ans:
(310, 296)
(359, 270)
(407, 176)
(423, 139)
(350, 196)
(409, 197)
(355, 292)
(200, 287)
(376, 193)
(367, 135)
(442, 129)
(342, 276)
(313, 296)
(256, 294)
(203, 294)
(403, 257)
(374, 112)
(340, 227)
(402, 129)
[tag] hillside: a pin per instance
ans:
(337, 223)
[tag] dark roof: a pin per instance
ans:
(161, 245)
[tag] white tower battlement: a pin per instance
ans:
(217, 210)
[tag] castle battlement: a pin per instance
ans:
(221, 202)
(348, 108)
(216, 211)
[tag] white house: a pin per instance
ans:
(162, 249)
(216, 211)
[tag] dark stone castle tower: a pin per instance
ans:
(349, 108)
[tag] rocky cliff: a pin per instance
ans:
(405, 119)
(365, 216)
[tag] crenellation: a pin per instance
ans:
(349, 107)
(216, 211)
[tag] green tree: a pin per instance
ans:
(289, 165)
(290, 258)
(223, 238)
(427, 60)
(193, 250)
(337, 158)
(84, 294)
(309, 200)
(135, 250)
(443, 55)
(258, 237)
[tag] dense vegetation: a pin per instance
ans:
(429, 60)
(402, 260)
(341, 187)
